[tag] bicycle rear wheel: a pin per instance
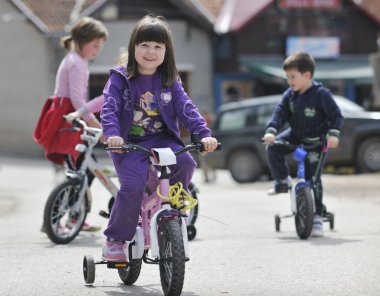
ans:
(61, 223)
(172, 257)
(305, 212)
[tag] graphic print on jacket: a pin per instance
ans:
(147, 119)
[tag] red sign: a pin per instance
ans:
(309, 3)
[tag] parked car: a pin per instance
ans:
(239, 126)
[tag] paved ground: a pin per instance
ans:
(236, 251)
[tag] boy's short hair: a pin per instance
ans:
(300, 61)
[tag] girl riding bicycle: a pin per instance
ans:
(144, 103)
(84, 42)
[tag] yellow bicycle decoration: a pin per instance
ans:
(178, 197)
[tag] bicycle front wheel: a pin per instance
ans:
(172, 257)
(64, 212)
(305, 212)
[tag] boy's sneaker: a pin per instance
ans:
(280, 186)
(317, 230)
(114, 251)
(87, 226)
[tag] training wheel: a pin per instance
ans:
(191, 232)
(89, 269)
(277, 221)
(332, 220)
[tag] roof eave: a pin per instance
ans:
(197, 12)
(366, 12)
(43, 27)
(31, 16)
(90, 10)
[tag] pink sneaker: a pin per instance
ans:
(114, 251)
(87, 226)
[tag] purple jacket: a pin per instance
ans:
(173, 103)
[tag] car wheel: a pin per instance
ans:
(368, 156)
(244, 166)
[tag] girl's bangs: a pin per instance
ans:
(152, 32)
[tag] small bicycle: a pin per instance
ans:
(302, 203)
(161, 237)
(69, 202)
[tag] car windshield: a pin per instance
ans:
(348, 106)
(248, 116)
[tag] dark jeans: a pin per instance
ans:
(279, 168)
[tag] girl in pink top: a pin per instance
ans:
(83, 44)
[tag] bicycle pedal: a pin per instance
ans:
(104, 214)
(116, 265)
(282, 188)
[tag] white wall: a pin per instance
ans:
(25, 81)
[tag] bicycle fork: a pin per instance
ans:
(166, 212)
(301, 183)
(75, 209)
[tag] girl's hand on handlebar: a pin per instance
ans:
(73, 115)
(269, 138)
(209, 144)
(115, 141)
(332, 142)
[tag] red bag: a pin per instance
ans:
(48, 132)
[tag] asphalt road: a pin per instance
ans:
(236, 251)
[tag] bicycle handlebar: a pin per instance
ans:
(307, 147)
(89, 134)
(197, 146)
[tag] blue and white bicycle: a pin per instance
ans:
(302, 204)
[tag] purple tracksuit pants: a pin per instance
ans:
(132, 169)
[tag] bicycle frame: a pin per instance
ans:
(151, 211)
(299, 155)
(302, 194)
(104, 174)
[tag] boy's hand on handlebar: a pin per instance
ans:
(269, 138)
(209, 144)
(332, 142)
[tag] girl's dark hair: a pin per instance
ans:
(84, 31)
(156, 29)
(301, 61)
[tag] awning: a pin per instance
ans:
(352, 69)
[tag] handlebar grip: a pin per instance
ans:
(75, 123)
(218, 147)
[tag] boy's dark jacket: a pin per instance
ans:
(310, 115)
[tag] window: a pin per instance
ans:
(264, 114)
(234, 119)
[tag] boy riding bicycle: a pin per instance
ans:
(312, 115)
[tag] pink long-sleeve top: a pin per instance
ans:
(72, 82)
